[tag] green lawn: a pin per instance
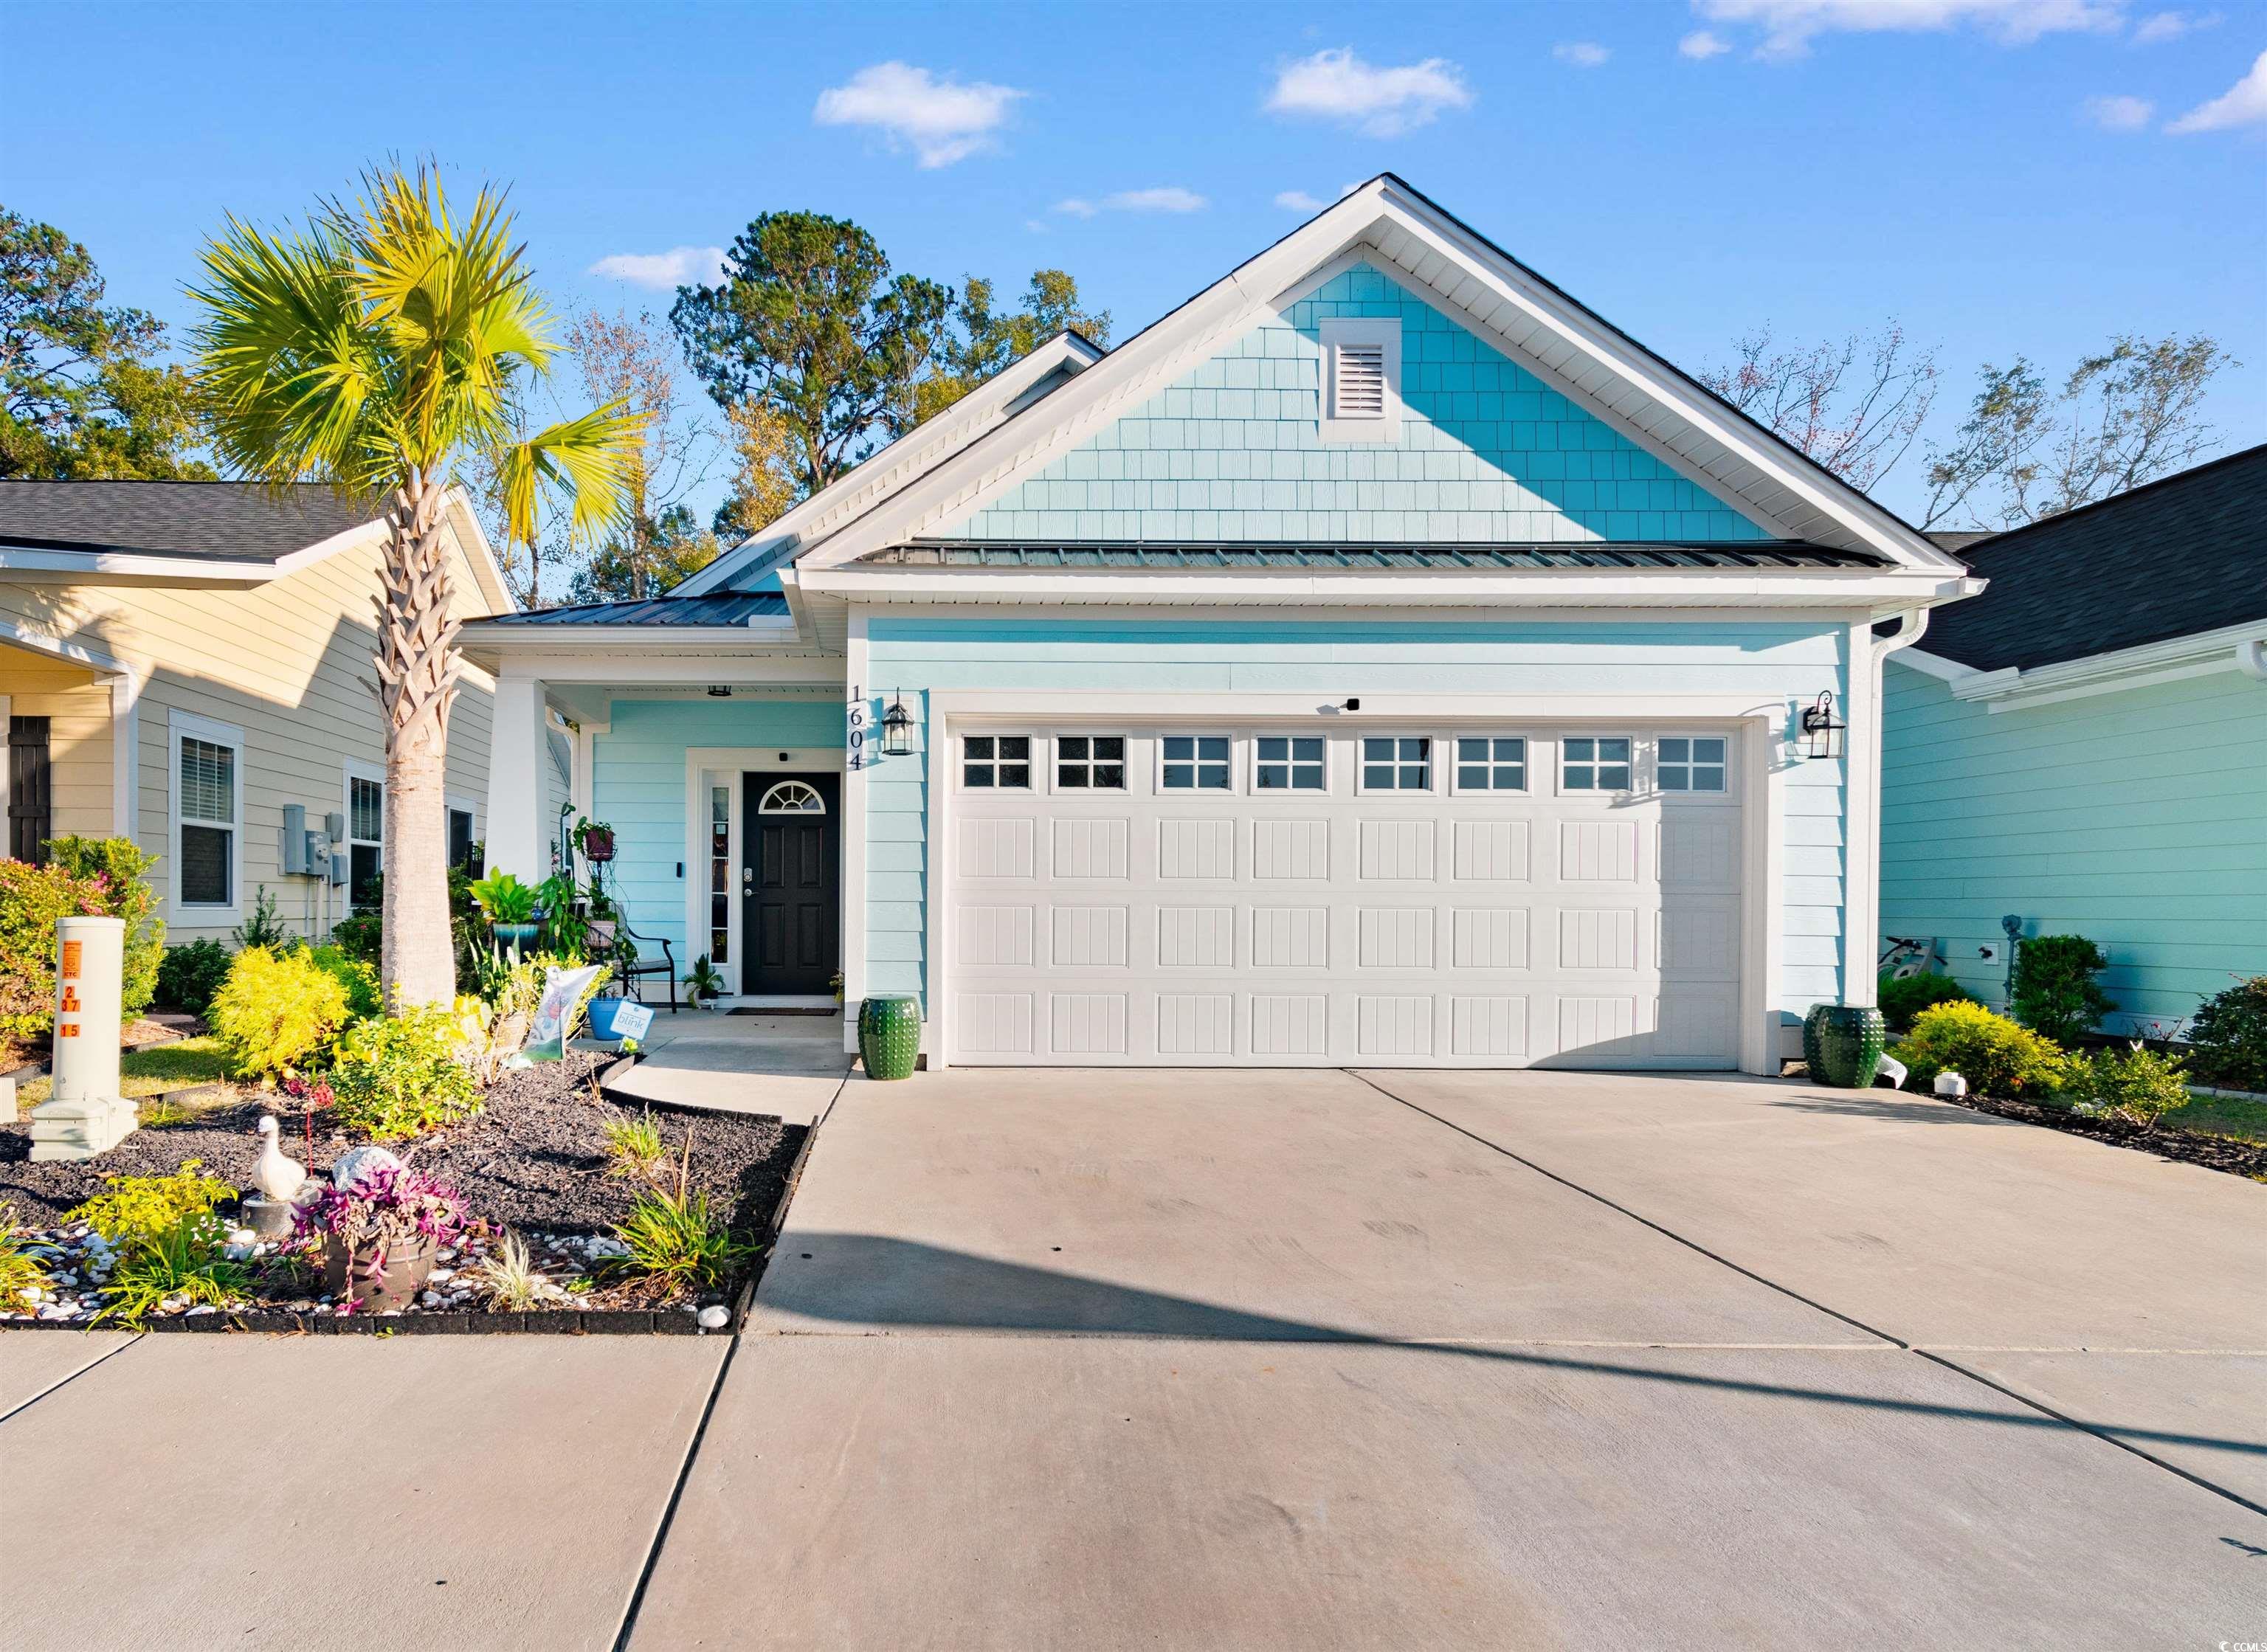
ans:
(2221, 1115)
(146, 1072)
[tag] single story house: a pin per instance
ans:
(1380, 658)
(2083, 748)
(181, 661)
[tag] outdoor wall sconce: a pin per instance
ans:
(1822, 734)
(897, 731)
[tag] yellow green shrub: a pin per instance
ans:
(275, 1012)
(1996, 1056)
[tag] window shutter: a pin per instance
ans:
(1360, 382)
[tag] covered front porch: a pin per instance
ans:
(711, 740)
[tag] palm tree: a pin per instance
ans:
(373, 350)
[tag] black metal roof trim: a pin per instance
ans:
(2184, 553)
(234, 520)
(713, 608)
(1760, 555)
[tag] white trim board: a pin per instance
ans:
(2230, 648)
(182, 725)
(736, 760)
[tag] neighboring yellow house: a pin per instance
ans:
(181, 661)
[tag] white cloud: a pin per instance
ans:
(1170, 198)
(679, 266)
(1700, 45)
(1789, 25)
(1381, 102)
(941, 120)
(2243, 104)
(1582, 53)
(1299, 200)
(2171, 26)
(2121, 114)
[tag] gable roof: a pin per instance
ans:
(240, 521)
(749, 564)
(2184, 554)
(1477, 284)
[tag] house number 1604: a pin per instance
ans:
(854, 750)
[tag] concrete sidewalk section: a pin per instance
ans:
(32, 1363)
(791, 1067)
(346, 1493)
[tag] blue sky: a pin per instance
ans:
(2001, 176)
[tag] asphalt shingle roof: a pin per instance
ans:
(1744, 553)
(174, 519)
(2184, 554)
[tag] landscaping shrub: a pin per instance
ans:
(360, 936)
(184, 1263)
(364, 997)
(263, 928)
(32, 898)
(675, 1238)
(275, 1012)
(2055, 992)
(1995, 1056)
(115, 866)
(145, 1207)
(2228, 1038)
(1901, 998)
(188, 976)
(398, 1076)
(20, 1271)
(2139, 1086)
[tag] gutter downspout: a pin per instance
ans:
(1859, 985)
(2251, 658)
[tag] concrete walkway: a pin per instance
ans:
(790, 1066)
(1253, 1360)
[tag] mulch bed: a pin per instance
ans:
(2182, 1147)
(533, 1160)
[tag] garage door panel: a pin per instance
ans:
(1483, 929)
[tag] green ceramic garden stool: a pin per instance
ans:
(888, 1035)
(1842, 1044)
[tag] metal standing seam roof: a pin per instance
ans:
(713, 608)
(1761, 555)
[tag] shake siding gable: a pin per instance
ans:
(1488, 452)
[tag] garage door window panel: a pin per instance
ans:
(1491, 763)
(1290, 763)
(1396, 762)
(995, 762)
(1195, 763)
(1690, 763)
(1594, 764)
(1089, 762)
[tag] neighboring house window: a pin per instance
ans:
(1288, 762)
(461, 841)
(1396, 763)
(31, 796)
(1695, 764)
(1594, 764)
(1091, 762)
(720, 875)
(365, 839)
(1493, 762)
(1195, 762)
(996, 761)
(208, 772)
(1361, 380)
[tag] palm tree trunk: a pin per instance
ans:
(417, 670)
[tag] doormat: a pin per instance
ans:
(744, 1010)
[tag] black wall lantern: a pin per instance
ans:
(897, 731)
(1821, 735)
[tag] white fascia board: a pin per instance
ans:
(1878, 593)
(129, 567)
(485, 569)
(895, 466)
(1661, 395)
(1945, 671)
(2200, 654)
(682, 670)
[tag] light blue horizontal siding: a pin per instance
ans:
(1488, 452)
(2137, 818)
(1775, 664)
(637, 785)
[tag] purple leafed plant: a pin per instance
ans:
(387, 1208)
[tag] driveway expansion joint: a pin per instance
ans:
(17, 1410)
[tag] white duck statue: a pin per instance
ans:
(276, 1176)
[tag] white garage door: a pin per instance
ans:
(1211, 896)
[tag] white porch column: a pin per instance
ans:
(518, 837)
(125, 756)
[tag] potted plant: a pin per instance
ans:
(508, 906)
(566, 930)
(594, 840)
(704, 983)
(379, 1234)
(602, 919)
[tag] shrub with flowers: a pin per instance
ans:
(32, 898)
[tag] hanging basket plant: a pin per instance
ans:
(594, 840)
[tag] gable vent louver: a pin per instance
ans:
(1360, 382)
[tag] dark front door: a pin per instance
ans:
(790, 887)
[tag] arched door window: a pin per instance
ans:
(792, 796)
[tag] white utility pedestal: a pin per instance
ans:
(85, 1115)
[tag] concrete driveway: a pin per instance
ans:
(1345, 1359)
